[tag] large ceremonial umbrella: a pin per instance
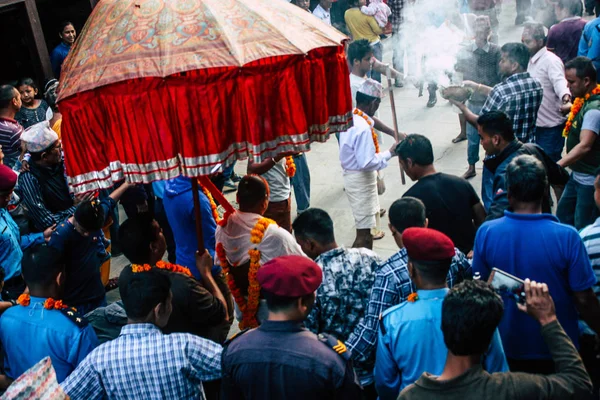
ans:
(157, 88)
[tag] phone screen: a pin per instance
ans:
(507, 284)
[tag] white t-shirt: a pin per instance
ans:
(591, 121)
(355, 84)
(322, 14)
(279, 182)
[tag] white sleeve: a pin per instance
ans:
(278, 242)
(364, 152)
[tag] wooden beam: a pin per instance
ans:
(38, 38)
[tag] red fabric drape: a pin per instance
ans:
(155, 128)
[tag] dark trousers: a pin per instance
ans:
(280, 212)
(161, 217)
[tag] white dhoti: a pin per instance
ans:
(361, 189)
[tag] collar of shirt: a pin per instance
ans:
(432, 294)
(8, 120)
(282, 326)
(139, 329)
(570, 19)
(530, 217)
(36, 300)
(542, 52)
(517, 77)
(329, 254)
(368, 118)
(485, 48)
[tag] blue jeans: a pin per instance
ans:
(378, 54)
(577, 206)
(551, 140)
(228, 172)
(487, 188)
(301, 183)
(473, 137)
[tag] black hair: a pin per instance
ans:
(526, 179)
(142, 291)
(41, 265)
(280, 303)
(358, 49)
(407, 212)
(27, 82)
(517, 52)
(416, 147)
(63, 25)
(315, 224)
(497, 123)
(536, 30)
(362, 98)
(90, 215)
(135, 236)
(575, 7)
(7, 94)
(252, 190)
(2, 274)
(471, 312)
(434, 272)
(584, 68)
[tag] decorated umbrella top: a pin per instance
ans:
(127, 39)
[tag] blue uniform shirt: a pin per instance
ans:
(29, 334)
(12, 244)
(411, 342)
(57, 57)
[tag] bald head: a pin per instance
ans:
(253, 194)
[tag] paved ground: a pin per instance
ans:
(439, 124)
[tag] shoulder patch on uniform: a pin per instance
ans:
(237, 335)
(75, 317)
(336, 345)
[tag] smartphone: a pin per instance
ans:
(507, 284)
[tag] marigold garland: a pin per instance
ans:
(162, 265)
(577, 106)
(248, 307)
(290, 166)
(412, 297)
(373, 132)
(49, 304)
(213, 205)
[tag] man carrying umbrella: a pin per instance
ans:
(361, 159)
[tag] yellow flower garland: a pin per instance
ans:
(248, 307)
(213, 205)
(290, 166)
(373, 132)
(577, 106)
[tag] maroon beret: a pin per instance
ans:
(290, 276)
(8, 178)
(425, 244)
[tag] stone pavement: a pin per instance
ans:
(439, 124)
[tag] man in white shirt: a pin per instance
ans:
(361, 160)
(546, 67)
(323, 11)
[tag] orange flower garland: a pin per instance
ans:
(213, 205)
(162, 265)
(49, 304)
(290, 166)
(412, 297)
(373, 133)
(577, 106)
(248, 307)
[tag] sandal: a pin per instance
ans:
(459, 139)
(382, 212)
(379, 235)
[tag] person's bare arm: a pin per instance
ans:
(262, 167)
(589, 307)
(204, 264)
(478, 87)
(586, 141)
(380, 67)
(5, 382)
(380, 126)
(479, 215)
(118, 192)
(5, 305)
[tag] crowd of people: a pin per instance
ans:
(437, 319)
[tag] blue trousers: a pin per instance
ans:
(473, 137)
(551, 140)
(487, 188)
(577, 206)
(301, 183)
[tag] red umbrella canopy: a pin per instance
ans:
(156, 88)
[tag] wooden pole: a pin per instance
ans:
(395, 117)
(198, 215)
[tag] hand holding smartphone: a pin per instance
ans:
(507, 284)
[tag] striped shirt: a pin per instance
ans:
(144, 363)
(591, 239)
(10, 140)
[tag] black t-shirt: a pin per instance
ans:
(449, 202)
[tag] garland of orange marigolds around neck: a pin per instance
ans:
(248, 307)
(49, 304)
(162, 265)
(373, 133)
(577, 106)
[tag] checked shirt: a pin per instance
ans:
(397, 17)
(392, 286)
(520, 97)
(143, 363)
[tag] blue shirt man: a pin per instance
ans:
(538, 247)
(179, 206)
(12, 244)
(31, 333)
(589, 44)
(410, 339)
